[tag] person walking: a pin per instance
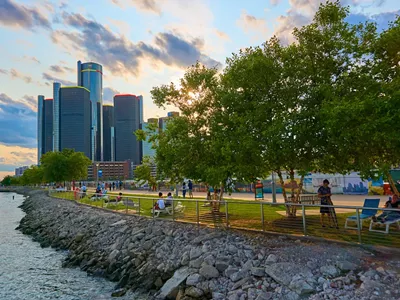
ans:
(324, 193)
(184, 190)
(113, 185)
(110, 186)
(190, 186)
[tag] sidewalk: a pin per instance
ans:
(349, 200)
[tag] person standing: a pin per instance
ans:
(120, 185)
(113, 185)
(324, 193)
(190, 186)
(110, 186)
(184, 189)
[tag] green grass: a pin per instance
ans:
(247, 215)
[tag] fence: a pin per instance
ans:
(352, 224)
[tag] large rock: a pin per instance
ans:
(346, 266)
(195, 253)
(257, 272)
(301, 287)
(221, 266)
(329, 271)
(194, 292)
(209, 271)
(271, 259)
(194, 279)
(170, 288)
(284, 272)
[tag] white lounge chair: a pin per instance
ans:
(387, 225)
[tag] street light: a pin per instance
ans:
(97, 174)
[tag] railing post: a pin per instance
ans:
(173, 209)
(227, 214)
(126, 204)
(303, 211)
(102, 202)
(358, 225)
(139, 206)
(197, 213)
(152, 207)
(262, 216)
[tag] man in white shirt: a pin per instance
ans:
(160, 201)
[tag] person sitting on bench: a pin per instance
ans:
(169, 200)
(389, 215)
(160, 204)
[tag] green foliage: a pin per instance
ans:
(66, 165)
(144, 172)
(33, 175)
(7, 180)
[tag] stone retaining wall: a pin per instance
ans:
(161, 259)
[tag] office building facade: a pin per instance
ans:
(47, 125)
(75, 119)
(172, 114)
(108, 133)
(116, 170)
(20, 171)
(56, 116)
(90, 76)
(40, 127)
(147, 149)
(127, 121)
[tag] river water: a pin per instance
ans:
(29, 272)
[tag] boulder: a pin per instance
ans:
(221, 266)
(301, 287)
(209, 271)
(257, 272)
(271, 259)
(194, 279)
(346, 266)
(171, 287)
(194, 292)
(284, 272)
(195, 253)
(329, 271)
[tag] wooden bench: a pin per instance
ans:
(309, 199)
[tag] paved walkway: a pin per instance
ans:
(347, 200)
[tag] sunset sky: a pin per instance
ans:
(140, 43)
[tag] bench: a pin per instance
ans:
(309, 199)
(179, 208)
(387, 225)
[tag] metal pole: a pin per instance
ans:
(358, 225)
(304, 219)
(226, 213)
(173, 209)
(197, 213)
(262, 216)
(273, 188)
(153, 207)
(126, 204)
(139, 207)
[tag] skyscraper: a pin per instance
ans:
(40, 126)
(127, 121)
(172, 114)
(75, 119)
(162, 123)
(90, 76)
(108, 133)
(141, 108)
(147, 149)
(45, 126)
(56, 116)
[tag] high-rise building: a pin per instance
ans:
(147, 149)
(45, 126)
(20, 171)
(127, 121)
(56, 116)
(108, 133)
(40, 126)
(90, 76)
(141, 108)
(162, 123)
(75, 119)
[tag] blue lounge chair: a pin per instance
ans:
(366, 214)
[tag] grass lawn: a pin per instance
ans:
(248, 215)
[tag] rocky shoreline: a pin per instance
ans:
(165, 260)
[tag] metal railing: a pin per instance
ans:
(349, 224)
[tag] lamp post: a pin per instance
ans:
(97, 174)
(273, 188)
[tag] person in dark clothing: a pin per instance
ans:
(113, 184)
(190, 186)
(389, 215)
(324, 192)
(184, 190)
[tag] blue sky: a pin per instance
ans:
(140, 43)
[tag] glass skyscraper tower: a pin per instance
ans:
(56, 116)
(90, 76)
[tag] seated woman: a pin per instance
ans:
(389, 215)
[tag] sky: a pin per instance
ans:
(140, 43)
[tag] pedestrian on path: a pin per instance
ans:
(184, 189)
(190, 186)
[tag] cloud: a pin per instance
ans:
(142, 5)
(302, 12)
(120, 56)
(16, 74)
(108, 95)
(16, 156)
(16, 15)
(274, 2)
(31, 58)
(251, 24)
(3, 71)
(60, 69)
(18, 121)
(51, 78)
(222, 35)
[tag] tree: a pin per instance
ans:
(66, 165)
(33, 175)
(7, 180)
(144, 172)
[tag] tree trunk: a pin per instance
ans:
(292, 209)
(299, 191)
(392, 183)
(282, 182)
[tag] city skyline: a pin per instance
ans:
(43, 40)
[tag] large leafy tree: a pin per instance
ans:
(145, 172)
